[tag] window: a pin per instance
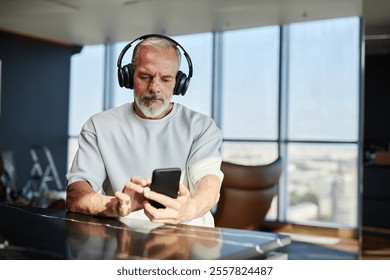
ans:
(291, 90)
(200, 49)
(250, 83)
(321, 142)
(323, 80)
(86, 91)
(322, 183)
(249, 98)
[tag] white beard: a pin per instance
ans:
(153, 109)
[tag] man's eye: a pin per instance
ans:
(144, 77)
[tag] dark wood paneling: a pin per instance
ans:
(35, 100)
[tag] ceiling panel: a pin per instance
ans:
(83, 22)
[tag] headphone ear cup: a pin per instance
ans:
(120, 77)
(185, 86)
(181, 83)
(126, 76)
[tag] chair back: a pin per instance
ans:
(246, 194)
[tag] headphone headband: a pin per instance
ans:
(128, 46)
(126, 73)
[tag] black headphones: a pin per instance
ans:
(126, 73)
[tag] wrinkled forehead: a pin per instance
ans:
(152, 61)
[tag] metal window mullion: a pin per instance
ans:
(108, 96)
(361, 130)
(216, 102)
(283, 200)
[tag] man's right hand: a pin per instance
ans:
(81, 198)
(132, 198)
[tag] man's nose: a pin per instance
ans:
(154, 85)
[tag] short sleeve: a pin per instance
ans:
(205, 157)
(88, 164)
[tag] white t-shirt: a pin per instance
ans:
(117, 144)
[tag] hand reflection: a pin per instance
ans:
(168, 243)
(93, 237)
(183, 242)
(80, 226)
(125, 249)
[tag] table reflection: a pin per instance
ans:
(38, 233)
(96, 238)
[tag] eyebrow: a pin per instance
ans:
(148, 74)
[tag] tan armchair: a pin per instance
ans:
(246, 194)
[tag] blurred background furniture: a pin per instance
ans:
(246, 194)
(44, 187)
(7, 175)
(43, 171)
(2, 187)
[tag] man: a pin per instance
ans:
(130, 141)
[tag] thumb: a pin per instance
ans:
(183, 190)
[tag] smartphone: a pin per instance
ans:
(165, 181)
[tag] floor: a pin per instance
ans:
(316, 243)
(311, 247)
(375, 244)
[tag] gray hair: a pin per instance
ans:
(159, 44)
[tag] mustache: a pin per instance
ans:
(152, 96)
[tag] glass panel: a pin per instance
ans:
(250, 83)
(248, 153)
(200, 49)
(86, 86)
(322, 183)
(324, 80)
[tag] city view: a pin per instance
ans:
(321, 180)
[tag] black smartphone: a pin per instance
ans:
(165, 181)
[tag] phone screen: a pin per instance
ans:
(165, 181)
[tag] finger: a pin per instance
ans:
(151, 212)
(162, 199)
(138, 181)
(123, 203)
(166, 221)
(161, 216)
(154, 213)
(139, 188)
(183, 190)
(122, 196)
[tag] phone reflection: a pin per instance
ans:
(91, 237)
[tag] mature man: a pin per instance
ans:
(119, 148)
